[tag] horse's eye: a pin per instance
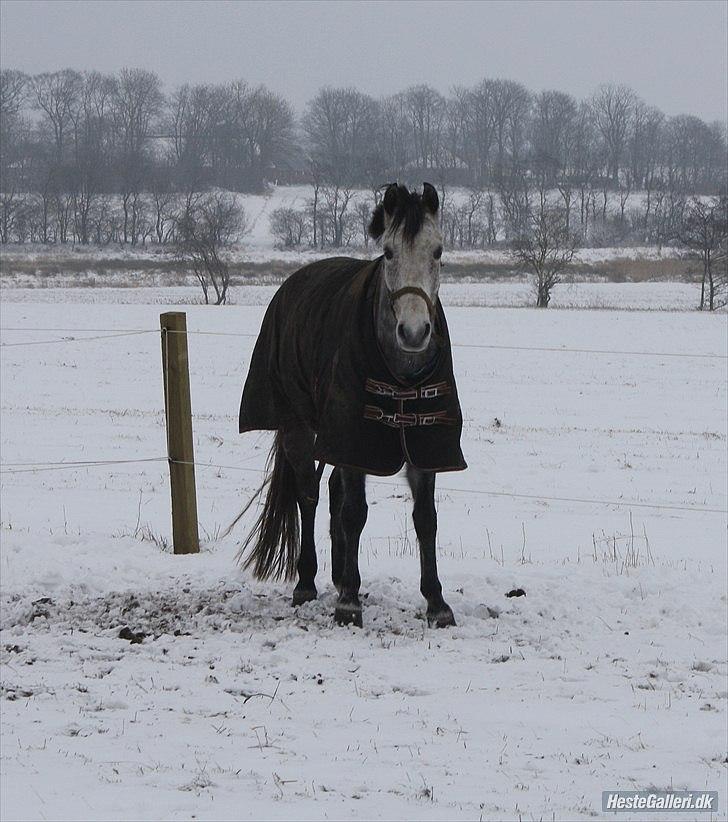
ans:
(388, 253)
(437, 253)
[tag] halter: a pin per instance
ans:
(411, 289)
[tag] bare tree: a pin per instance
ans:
(289, 226)
(720, 273)
(426, 110)
(137, 103)
(703, 231)
(13, 90)
(13, 87)
(613, 107)
(208, 225)
(552, 134)
(396, 138)
(340, 124)
(491, 220)
(336, 199)
(473, 211)
(476, 110)
(9, 207)
(546, 247)
(56, 95)
(194, 119)
(164, 201)
(511, 102)
(515, 197)
(363, 212)
(264, 122)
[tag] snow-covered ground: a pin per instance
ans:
(609, 673)
(658, 296)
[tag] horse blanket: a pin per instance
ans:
(317, 361)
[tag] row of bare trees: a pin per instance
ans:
(72, 139)
(484, 135)
(99, 133)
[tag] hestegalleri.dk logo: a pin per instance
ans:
(660, 801)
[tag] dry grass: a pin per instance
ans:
(670, 269)
(124, 272)
(84, 269)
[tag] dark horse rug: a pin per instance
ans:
(317, 361)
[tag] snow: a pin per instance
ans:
(609, 673)
(649, 296)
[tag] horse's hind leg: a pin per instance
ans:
(353, 517)
(298, 444)
(422, 483)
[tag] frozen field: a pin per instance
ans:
(650, 296)
(610, 672)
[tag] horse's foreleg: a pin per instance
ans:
(422, 483)
(353, 517)
(336, 499)
(298, 444)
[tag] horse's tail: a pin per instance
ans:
(276, 535)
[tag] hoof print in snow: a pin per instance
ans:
(133, 637)
(516, 592)
(39, 609)
(13, 692)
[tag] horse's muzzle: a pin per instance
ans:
(413, 339)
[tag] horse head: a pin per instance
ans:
(407, 224)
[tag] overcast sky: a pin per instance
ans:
(672, 53)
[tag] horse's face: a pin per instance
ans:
(412, 245)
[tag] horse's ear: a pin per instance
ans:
(391, 196)
(376, 225)
(429, 198)
(384, 211)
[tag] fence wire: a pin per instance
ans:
(35, 467)
(488, 346)
(23, 468)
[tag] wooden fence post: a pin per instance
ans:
(180, 448)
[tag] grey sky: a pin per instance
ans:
(672, 53)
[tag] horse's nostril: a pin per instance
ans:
(427, 330)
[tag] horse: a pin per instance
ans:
(352, 368)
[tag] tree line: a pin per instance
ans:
(88, 158)
(86, 134)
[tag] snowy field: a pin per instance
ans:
(651, 296)
(610, 672)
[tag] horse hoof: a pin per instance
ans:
(441, 619)
(301, 595)
(348, 615)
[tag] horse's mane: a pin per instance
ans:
(405, 208)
